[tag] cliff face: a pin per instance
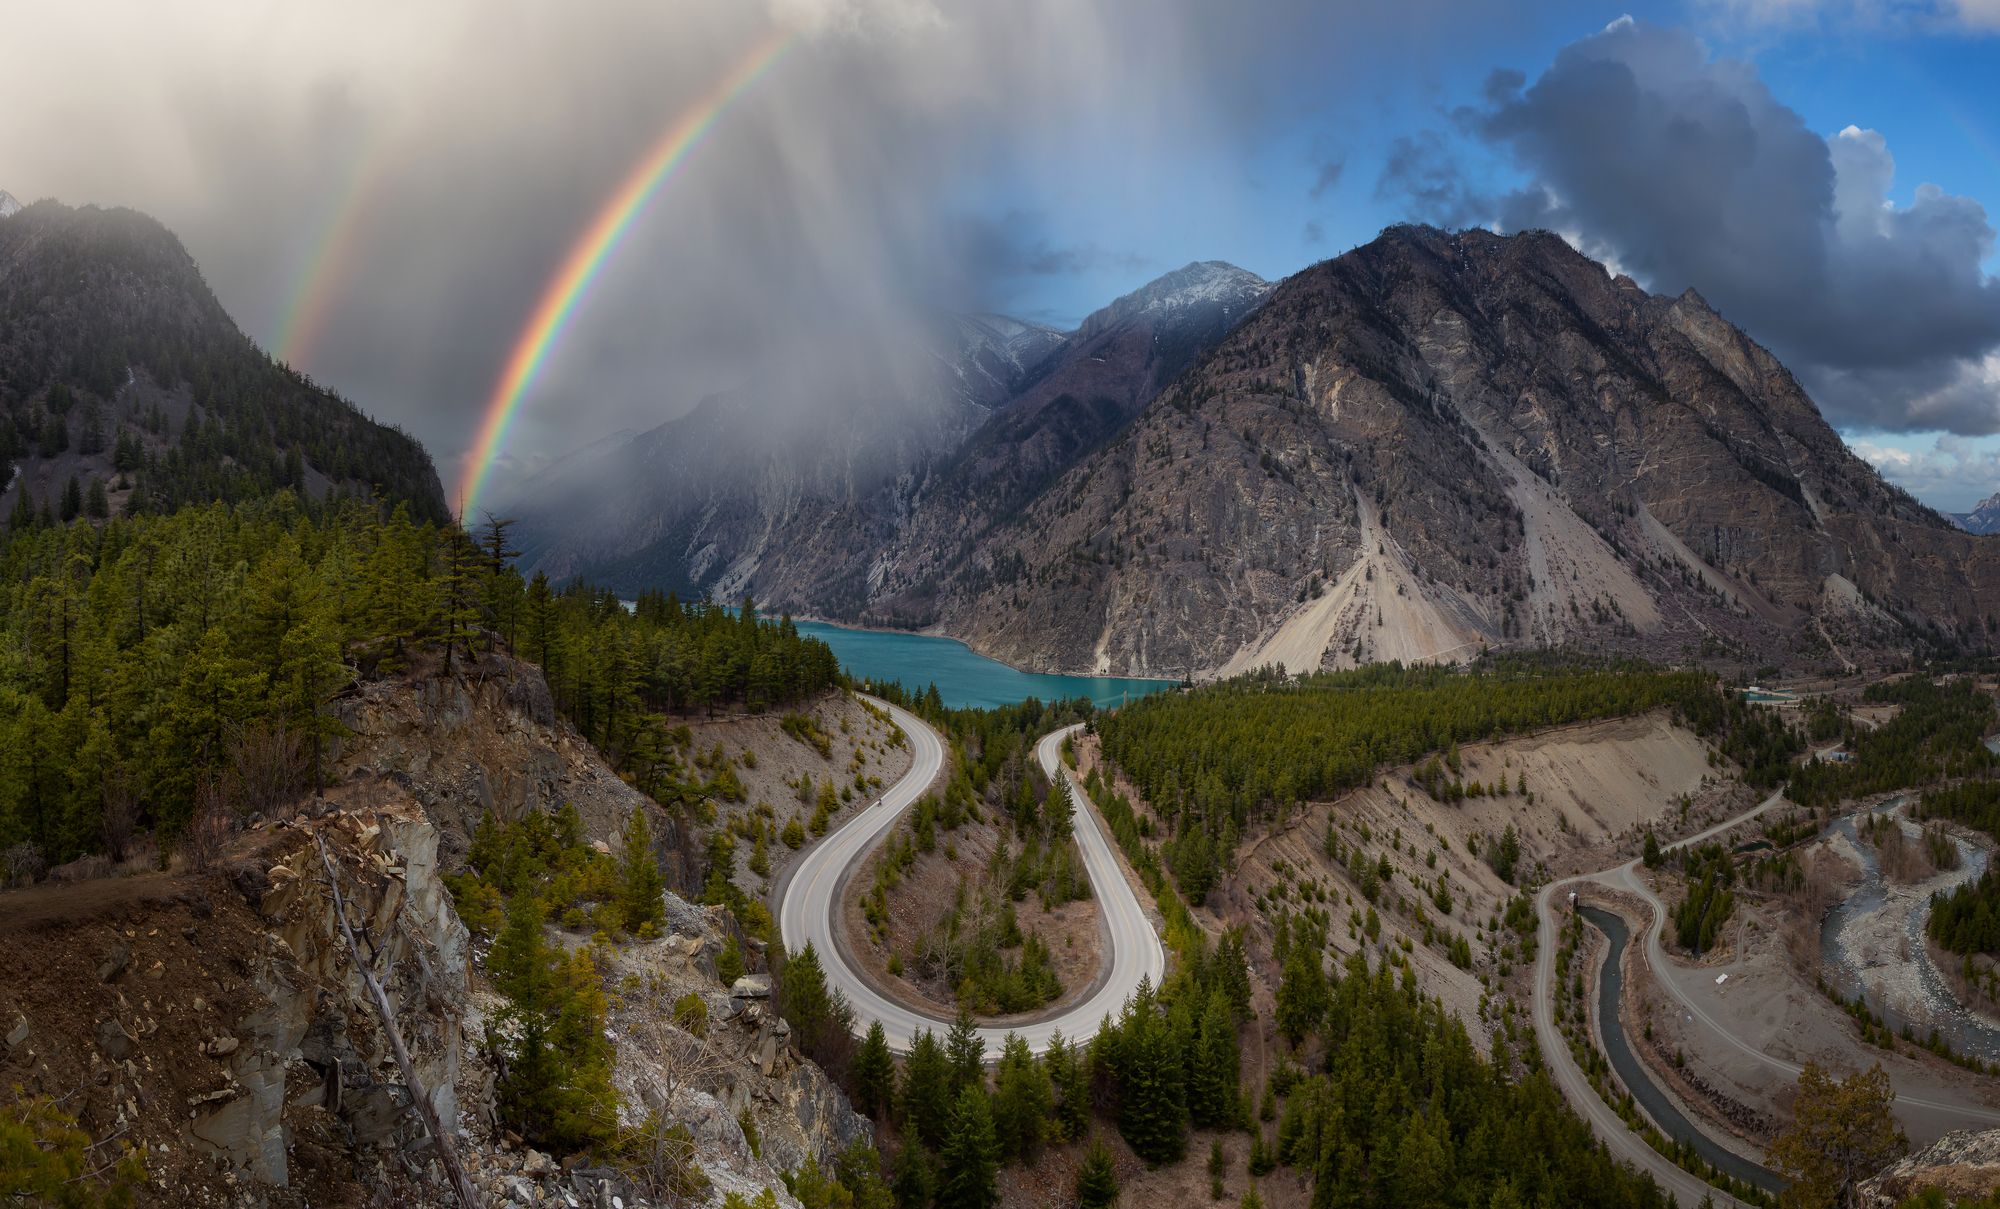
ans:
(219, 1019)
(1442, 442)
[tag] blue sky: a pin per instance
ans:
(1923, 80)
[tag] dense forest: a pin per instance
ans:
(1935, 737)
(1212, 760)
(164, 669)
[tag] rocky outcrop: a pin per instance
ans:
(487, 736)
(1965, 1165)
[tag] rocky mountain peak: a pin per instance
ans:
(1201, 283)
(9, 204)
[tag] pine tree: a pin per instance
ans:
(641, 889)
(804, 1001)
(1150, 1101)
(926, 1094)
(1212, 1089)
(1023, 1101)
(967, 1054)
(916, 1177)
(1302, 994)
(1070, 1072)
(97, 505)
(874, 1072)
(1097, 1178)
(72, 500)
(970, 1160)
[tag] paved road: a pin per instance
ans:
(1555, 1048)
(807, 912)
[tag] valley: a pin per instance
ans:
(1366, 617)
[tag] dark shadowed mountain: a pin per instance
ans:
(118, 363)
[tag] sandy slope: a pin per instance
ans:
(1379, 605)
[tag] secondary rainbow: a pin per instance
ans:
(586, 259)
(324, 266)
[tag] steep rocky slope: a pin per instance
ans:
(1442, 442)
(218, 1019)
(849, 491)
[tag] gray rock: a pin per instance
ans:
(111, 1035)
(752, 986)
(20, 1032)
(1965, 1165)
(117, 959)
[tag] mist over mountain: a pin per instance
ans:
(823, 490)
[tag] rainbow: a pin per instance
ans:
(321, 270)
(580, 269)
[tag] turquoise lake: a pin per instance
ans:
(962, 677)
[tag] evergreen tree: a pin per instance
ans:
(874, 1072)
(98, 505)
(967, 1054)
(1023, 1101)
(1097, 1178)
(1069, 1071)
(1151, 1100)
(72, 500)
(1212, 1087)
(803, 999)
(916, 1177)
(926, 1093)
(1302, 994)
(641, 889)
(970, 1160)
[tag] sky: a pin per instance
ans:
(382, 193)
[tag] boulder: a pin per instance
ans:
(751, 986)
(117, 958)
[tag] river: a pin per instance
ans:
(963, 678)
(1872, 942)
(1618, 1049)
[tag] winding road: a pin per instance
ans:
(1555, 1048)
(809, 891)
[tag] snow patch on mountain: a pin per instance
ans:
(9, 204)
(1201, 284)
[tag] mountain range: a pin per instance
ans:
(1436, 444)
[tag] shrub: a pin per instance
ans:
(691, 1013)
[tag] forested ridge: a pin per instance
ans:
(96, 304)
(159, 671)
(1935, 737)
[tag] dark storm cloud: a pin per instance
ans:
(1423, 168)
(486, 135)
(1686, 171)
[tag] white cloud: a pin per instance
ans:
(1954, 475)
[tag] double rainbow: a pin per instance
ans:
(580, 269)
